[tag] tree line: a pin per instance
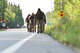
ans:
(11, 14)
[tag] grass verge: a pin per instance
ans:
(66, 35)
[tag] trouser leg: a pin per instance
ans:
(28, 27)
(35, 28)
(43, 27)
(38, 29)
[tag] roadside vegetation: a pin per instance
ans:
(2, 29)
(65, 29)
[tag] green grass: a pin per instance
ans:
(65, 33)
(2, 29)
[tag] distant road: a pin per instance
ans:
(21, 41)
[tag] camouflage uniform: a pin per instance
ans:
(33, 23)
(41, 21)
(28, 22)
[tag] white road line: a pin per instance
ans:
(16, 46)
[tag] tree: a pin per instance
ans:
(13, 15)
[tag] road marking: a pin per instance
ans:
(16, 46)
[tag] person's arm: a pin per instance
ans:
(44, 18)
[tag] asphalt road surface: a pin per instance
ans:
(21, 41)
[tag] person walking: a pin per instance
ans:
(41, 21)
(28, 22)
(33, 23)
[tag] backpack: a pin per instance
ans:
(40, 15)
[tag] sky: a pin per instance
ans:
(31, 6)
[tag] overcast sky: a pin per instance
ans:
(29, 6)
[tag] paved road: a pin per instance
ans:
(21, 41)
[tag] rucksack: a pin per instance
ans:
(40, 15)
